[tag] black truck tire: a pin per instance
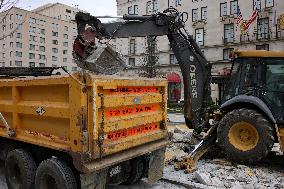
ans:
(137, 171)
(56, 174)
(245, 136)
(20, 170)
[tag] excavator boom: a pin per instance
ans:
(195, 69)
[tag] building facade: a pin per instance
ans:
(42, 37)
(213, 24)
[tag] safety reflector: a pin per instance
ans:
(132, 131)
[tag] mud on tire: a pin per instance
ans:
(20, 169)
(261, 126)
(56, 174)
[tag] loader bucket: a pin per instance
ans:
(103, 60)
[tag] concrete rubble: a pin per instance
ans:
(220, 172)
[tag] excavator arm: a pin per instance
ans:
(195, 69)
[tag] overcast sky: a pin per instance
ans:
(95, 7)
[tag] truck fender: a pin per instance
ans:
(252, 100)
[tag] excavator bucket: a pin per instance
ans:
(103, 60)
(188, 164)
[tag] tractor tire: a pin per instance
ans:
(137, 171)
(20, 170)
(56, 174)
(245, 136)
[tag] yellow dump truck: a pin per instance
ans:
(82, 131)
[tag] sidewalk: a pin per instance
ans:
(176, 118)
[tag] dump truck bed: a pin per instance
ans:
(99, 121)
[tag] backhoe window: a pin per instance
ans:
(274, 85)
(232, 87)
(275, 75)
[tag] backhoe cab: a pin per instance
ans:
(253, 106)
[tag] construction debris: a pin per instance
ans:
(219, 172)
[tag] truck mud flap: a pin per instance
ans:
(156, 165)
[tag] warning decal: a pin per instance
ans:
(131, 110)
(132, 131)
(134, 90)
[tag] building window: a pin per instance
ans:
(32, 47)
(229, 33)
(42, 40)
(54, 58)
(74, 69)
(155, 6)
(41, 57)
(55, 34)
(32, 21)
(269, 3)
(32, 38)
(42, 48)
(194, 15)
(11, 44)
(54, 26)
(11, 26)
(41, 65)
(19, 35)
(32, 29)
(256, 4)
(54, 50)
(226, 53)
(132, 47)
(19, 26)
(11, 16)
(18, 63)
(42, 31)
(19, 45)
(135, 9)
(32, 64)
(178, 3)
(149, 7)
(130, 10)
(65, 36)
(131, 61)
(19, 17)
(199, 36)
(234, 8)
(203, 13)
(64, 59)
(54, 42)
(41, 22)
(64, 51)
(262, 47)
(19, 54)
(173, 59)
(65, 28)
(31, 56)
(65, 44)
(263, 28)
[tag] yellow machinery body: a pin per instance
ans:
(99, 121)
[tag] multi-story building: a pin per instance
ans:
(213, 25)
(42, 37)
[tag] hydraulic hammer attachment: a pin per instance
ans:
(189, 163)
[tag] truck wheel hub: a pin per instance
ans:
(243, 136)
